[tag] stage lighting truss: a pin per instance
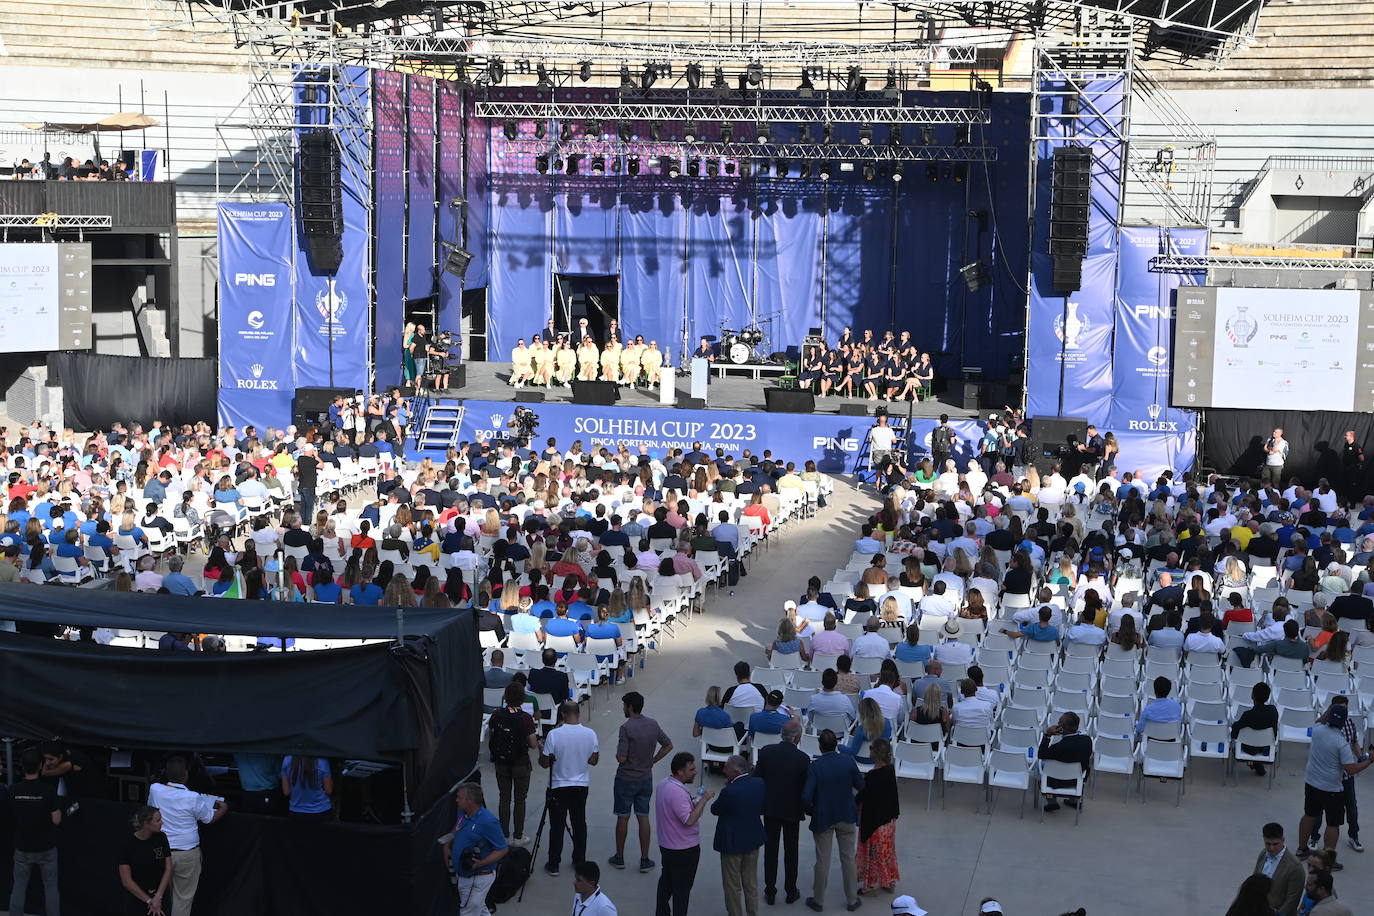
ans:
(762, 114)
(1188, 264)
(802, 152)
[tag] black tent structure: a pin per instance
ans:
(412, 700)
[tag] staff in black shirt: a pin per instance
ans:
(145, 863)
(307, 471)
(37, 814)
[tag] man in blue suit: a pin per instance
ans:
(739, 834)
(828, 796)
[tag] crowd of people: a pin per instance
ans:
(70, 170)
(559, 358)
(892, 368)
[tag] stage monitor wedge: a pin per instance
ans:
(600, 393)
(779, 400)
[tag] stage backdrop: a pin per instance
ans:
(832, 441)
(389, 216)
(695, 253)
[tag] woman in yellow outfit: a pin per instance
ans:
(521, 364)
(610, 362)
(652, 361)
(629, 362)
(588, 360)
(565, 362)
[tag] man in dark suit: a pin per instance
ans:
(549, 679)
(1260, 716)
(1287, 873)
(828, 795)
(739, 834)
(1354, 606)
(782, 767)
(1167, 595)
(1070, 748)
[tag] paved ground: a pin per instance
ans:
(1123, 857)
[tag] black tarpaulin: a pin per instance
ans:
(100, 390)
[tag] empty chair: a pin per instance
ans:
(1296, 725)
(1163, 760)
(961, 764)
(1017, 738)
(1007, 769)
(1114, 725)
(1211, 740)
(915, 760)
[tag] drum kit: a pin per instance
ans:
(741, 346)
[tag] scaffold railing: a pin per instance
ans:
(1175, 263)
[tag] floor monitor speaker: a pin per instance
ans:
(778, 400)
(602, 393)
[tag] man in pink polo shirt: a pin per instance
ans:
(679, 842)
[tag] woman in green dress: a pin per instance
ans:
(407, 360)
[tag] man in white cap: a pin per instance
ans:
(906, 905)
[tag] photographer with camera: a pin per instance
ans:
(440, 352)
(473, 849)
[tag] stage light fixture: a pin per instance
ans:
(946, 173)
(541, 164)
(650, 76)
(627, 82)
(754, 74)
(655, 131)
(689, 132)
(463, 78)
(855, 81)
(781, 168)
(984, 93)
(865, 134)
(557, 164)
(543, 82)
(962, 134)
(632, 165)
(512, 131)
(807, 89)
(496, 70)
(826, 171)
(573, 163)
(541, 130)
(626, 131)
(804, 170)
(693, 168)
(895, 135)
(870, 173)
(927, 135)
(598, 165)
(743, 83)
(761, 169)
(1070, 104)
(565, 131)
(712, 168)
(897, 172)
(890, 87)
(727, 132)
(763, 134)
(594, 130)
(729, 167)
(805, 134)
(932, 173)
(718, 83)
(671, 167)
(828, 133)
(960, 172)
(584, 70)
(694, 76)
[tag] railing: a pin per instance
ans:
(1320, 163)
(143, 205)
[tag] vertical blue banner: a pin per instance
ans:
(420, 244)
(389, 216)
(333, 328)
(476, 150)
(653, 275)
(255, 243)
(720, 242)
(789, 268)
(584, 227)
(449, 99)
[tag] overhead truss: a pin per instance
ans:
(1180, 264)
(840, 152)
(709, 112)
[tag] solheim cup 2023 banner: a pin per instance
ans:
(255, 297)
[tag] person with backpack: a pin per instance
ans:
(941, 442)
(473, 850)
(511, 736)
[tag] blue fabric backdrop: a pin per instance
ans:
(420, 189)
(389, 216)
(450, 182)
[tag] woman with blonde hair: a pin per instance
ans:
(588, 360)
(712, 714)
(787, 642)
(932, 711)
(891, 614)
(565, 362)
(407, 359)
(870, 726)
(610, 362)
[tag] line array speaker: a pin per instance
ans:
(1070, 198)
(321, 200)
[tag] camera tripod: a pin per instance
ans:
(539, 833)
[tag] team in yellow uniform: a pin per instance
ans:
(545, 364)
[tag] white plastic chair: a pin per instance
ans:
(1114, 755)
(1163, 760)
(1061, 770)
(916, 760)
(962, 764)
(1007, 769)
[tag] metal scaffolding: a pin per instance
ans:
(1180, 264)
(713, 112)
(840, 152)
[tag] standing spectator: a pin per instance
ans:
(145, 863)
(511, 736)
(878, 809)
(828, 796)
(477, 830)
(679, 838)
(1285, 871)
(588, 898)
(1352, 809)
(570, 750)
(1330, 759)
(1252, 897)
(307, 475)
(308, 786)
(739, 834)
(183, 811)
(782, 766)
(634, 785)
(37, 814)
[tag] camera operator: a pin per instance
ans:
(438, 358)
(473, 849)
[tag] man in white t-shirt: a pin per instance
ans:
(1275, 454)
(570, 751)
(880, 440)
(183, 811)
(937, 604)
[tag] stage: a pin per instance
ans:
(490, 382)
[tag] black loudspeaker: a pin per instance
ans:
(309, 406)
(603, 393)
(1070, 199)
(321, 200)
(1057, 439)
(687, 403)
(778, 400)
(968, 395)
(525, 396)
(853, 410)
(457, 261)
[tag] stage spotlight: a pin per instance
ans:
(670, 167)
(512, 131)
(975, 274)
(463, 78)
(869, 173)
(712, 168)
(650, 76)
(693, 168)
(895, 135)
(960, 172)
(1070, 104)
(932, 172)
(890, 87)
(781, 168)
(946, 173)
(804, 170)
(727, 132)
(855, 81)
(655, 131)
(627, 82)
(565, 131)
(496, 70)
(557, 164)
(632, 165)
(927, 135)
(541, 130)
(689, 132)
(805, 134)
(729, 167)
(541, 164)
(543, 82)
(744, 168)
(718, 83)
(584, 70)
(826, 171)
(694, 76)
(761, 169)
(897, 172)
(865, 134)
(594, 130)
(598, 165)
(984, 93)
(573, 163)
(763, 134)
(754, 74)
(828, 133)
(962, 134)
(807, 89)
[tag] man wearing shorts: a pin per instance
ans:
(1330, 759)
(634, 778)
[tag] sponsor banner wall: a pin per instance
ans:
(255, 291)
(390, 218)
(420, 190)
